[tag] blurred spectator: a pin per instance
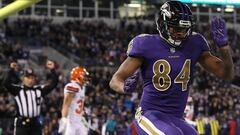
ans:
(111, 125)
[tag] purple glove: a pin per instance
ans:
(130, 83)
(219, 32)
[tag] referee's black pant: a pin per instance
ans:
(27, 126)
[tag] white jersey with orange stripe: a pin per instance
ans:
(75, 110)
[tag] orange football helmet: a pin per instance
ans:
(79, 74)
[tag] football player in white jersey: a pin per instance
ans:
(72, 121)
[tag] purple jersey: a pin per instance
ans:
(166, 71)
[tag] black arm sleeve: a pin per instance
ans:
(53, 77)
(10, 82)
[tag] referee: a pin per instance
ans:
(28, 98)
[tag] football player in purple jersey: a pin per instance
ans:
(166, 63)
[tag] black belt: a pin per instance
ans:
(26, 120)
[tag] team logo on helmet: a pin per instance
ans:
(165, 10)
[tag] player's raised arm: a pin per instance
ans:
(127, 68)
(223, 66)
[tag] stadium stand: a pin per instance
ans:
(212, 98)
(101, 48)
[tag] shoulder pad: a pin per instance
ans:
(144, 35)
(72, 87)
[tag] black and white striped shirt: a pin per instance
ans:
(29, 99)
(29, 102)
